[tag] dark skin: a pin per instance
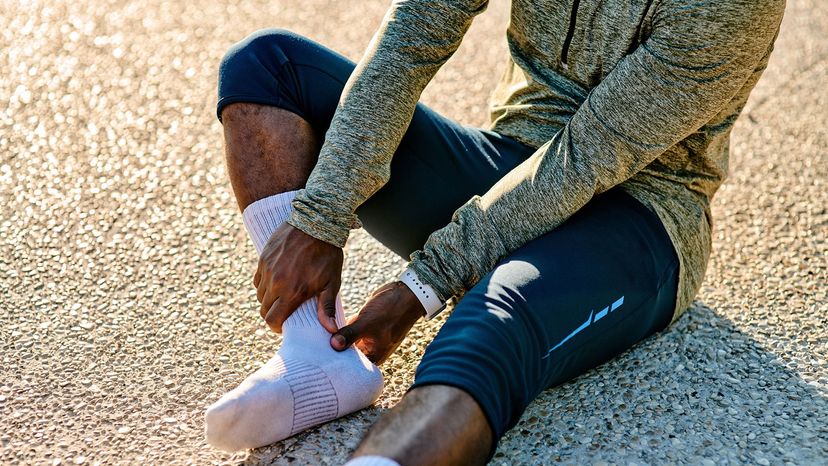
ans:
(271, 151)
(292, 256)
(382, 323)
(432, 425)
(293, 268)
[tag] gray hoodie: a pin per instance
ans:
(637, 93)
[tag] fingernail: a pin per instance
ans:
(339, 340)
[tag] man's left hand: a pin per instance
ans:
(382, 323)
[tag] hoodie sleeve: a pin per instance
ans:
(699, 56)
(415, 39)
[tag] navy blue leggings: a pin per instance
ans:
(555, 308)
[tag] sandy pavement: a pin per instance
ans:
(125, 276)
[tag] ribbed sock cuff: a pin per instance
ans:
(372, 461)
(262, 217)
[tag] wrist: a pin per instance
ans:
(413, 306)
(319, 229)
(424, 293)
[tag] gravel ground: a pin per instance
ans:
(125, 273)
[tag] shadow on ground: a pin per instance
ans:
(706, 380)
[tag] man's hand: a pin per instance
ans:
(382, 323)
(293, 268)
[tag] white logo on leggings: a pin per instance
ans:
(593, 317)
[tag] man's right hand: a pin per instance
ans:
(293, 268)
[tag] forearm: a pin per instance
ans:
(416, 37)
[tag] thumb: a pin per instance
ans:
(326, 309)
(347, 335)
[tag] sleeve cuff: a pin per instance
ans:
(424, 293)
(319, 229)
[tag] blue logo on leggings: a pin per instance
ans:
(593, 317)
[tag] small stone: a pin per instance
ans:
(124, 430)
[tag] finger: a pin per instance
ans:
(379, 355)
(280, 311)
(370, 351)
(347, 335)
(268, 285)
(269, 317)
(267, 302)
(326, 309)
(261, 290)
(364, 347)
(257, 277)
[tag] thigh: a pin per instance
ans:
(560, 305)
(438, 166)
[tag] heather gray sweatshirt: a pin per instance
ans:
(637, 93)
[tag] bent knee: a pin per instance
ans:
(260, 42)
(251, 66)
(262, 46)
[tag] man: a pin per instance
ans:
(574, 227)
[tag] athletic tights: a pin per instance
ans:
(551, 310)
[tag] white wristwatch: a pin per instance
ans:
(425, 293)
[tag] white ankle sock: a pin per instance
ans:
(372, 461)
(306, 383)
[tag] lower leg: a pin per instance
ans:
(268, 150)
(432, 425)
